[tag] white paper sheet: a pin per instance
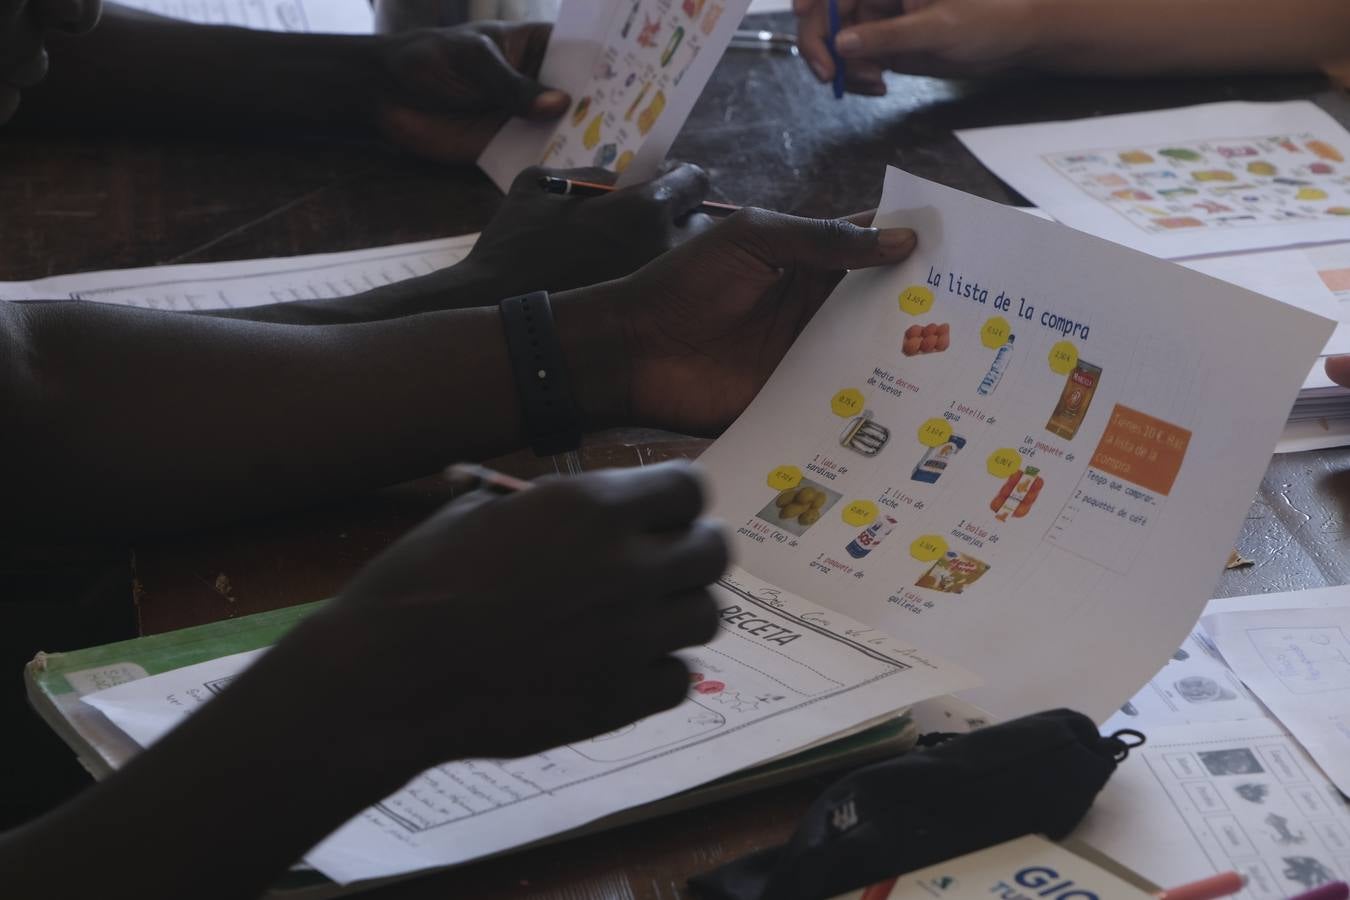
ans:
(1298, 663)
(1289, 276)
(252, 282)
(330, 16)
(147, 708)
(1216, 178)
(634, 69)
(1195, 686)
(1081, 599)
(1332, 265)
(1197, 800)
(782, 674)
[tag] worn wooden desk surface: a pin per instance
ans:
(770, 136)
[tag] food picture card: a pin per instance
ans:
(634, 69)
(1025, 449)
(1216, 178)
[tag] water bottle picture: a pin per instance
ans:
(997, 368)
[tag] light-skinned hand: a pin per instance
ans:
(918, 37)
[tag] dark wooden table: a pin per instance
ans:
(770, 136)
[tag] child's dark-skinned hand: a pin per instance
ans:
(543, 241)
(446, 91)
(504, 626)
(703, 326)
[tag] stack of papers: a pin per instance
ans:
(1245, 767)
(1217, 188)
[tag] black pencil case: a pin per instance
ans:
(1034, 775)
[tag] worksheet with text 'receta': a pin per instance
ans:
(1026, 449)
(781, 675)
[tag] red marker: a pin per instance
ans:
(1223, 885)
(1334, 890)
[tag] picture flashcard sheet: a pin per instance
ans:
(781, 675)
(1194, 686)
(1298, 663)
(634, 69)
(1216, 178)
(1024, 448)
(1241, 796)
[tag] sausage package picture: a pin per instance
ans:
(1025, 449)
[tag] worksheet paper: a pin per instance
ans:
(233, 285)
(1293, 277)
(782, 674)
(634, 69)
(1216, 178)
(1159, 813)
(1196, 685)
(328, 16)
(1298, 663)
(1193, 687)
(1045, 491)
(1240, 796)
(1332, 265)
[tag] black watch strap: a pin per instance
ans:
(552, 423)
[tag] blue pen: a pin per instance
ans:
(834, 54)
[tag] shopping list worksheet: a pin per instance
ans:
(1216, 178)
(1025, 448)
(634, 69)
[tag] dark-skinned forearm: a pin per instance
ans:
(224, 804)
(136, 421)
(150, 72)
(462, 286)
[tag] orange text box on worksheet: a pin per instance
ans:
(1141, 449)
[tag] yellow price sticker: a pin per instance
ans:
(934, 432)
(848, 402)
(994, 333)
(916, 300)
(1063, 357)
(928, 547)
(860, 513)
(785, 477)
(1003, 462)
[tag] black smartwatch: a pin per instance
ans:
(552, 421)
